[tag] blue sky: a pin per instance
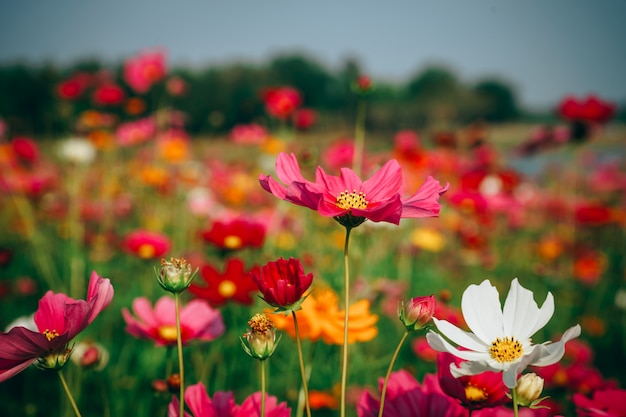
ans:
(545, 48)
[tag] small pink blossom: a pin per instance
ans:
(198, 321)
(145, 69)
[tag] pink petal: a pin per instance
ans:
(205, 322)
(135, 327)
(51, 312)
(20, 344)
(99, 295)
(198, 401)
(287, 169)
(270, 185)
(389, 211)
(385, 182)
(14, 370)
(165, 310)
(143, 310)
(425, 202)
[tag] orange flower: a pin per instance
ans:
(321, 318)
(322, 399)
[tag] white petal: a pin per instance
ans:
(439, 344)
(470, 368)
(522, 318)
(553, 352)
(509, 377)
(482, 312)
(460, 337)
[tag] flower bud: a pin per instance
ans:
(90, 355)
(261, 338)
(175, 275)
(529, 388)
(54, 360)
(417, 312)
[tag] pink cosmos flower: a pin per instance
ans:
(605, 403)
(198, 321)
(223, 405)
(59, 319)
(406, 397)
(144, 69)
(350, 200)
(136, 132)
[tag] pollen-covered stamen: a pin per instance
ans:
(506, 349)
(475, 394)
(50, 334)
(348, 200)
(260, 323)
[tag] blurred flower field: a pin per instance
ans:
(130, 198)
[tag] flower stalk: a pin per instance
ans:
(263, 387)
(302, 369)
(179, 343)
(346, 302)
(393, 361)
(66, 388)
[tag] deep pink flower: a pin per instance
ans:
(406, 397)
(73, 87)
(198, 321)
(250, 134)
(26, 149)
(59, 319)
(281, 102)
(605, 403)
(590, 109)
(146, 245)
(136, 132)
(223, 405)
(503, 411)
(347, 198)
(144, 69)
(282, 283)
(473, 392)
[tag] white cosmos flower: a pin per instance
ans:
(500, 340)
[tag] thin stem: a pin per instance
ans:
(359, 137)
(515, 406)
(69, 394)
(346, 302)
(263, 388)
(302, 371)
(393, 361)
(181, 367)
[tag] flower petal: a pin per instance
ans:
(482, 312)
(521, 316)
(439, 344)
(425, 201)
(553, 352)
(460, 337)
(385, 183)
(198, 401)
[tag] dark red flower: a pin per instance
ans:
(26, 149)
(234, 284)
(473, 392)
(108, 94)
(234, 234)
(282, 283)
(73, 87)
(591, 109)
(303, 119)
(593, 214)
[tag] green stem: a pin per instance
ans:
(69, 394)
(393, 361)
(346, 302)
(302, 370)
(515, 406)
(359, 137)
(262, 387)
(179, 341)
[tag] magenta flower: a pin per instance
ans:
(406, 397)
(283, 283)
(350, 200)
(198, 321)
(59, 319)
(223, 405)
(145, 69)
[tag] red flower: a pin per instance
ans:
(281, 102)
(591, 109)
(59, 319)
(146, 245)
(282, 283)
(74, 87)
(605, 403)
(234, 284)
(350, 200)
(303, 119)
(473, 392)
(593, 214)
(417, 312)
(26, 149)
(108, 94)
(234, 234)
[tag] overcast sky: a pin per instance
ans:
(545, 48)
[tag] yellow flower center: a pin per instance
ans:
(475, 394)
(506, 349)
(227, 288)
(348, 200)
(168, 332)
(146, 251)
(232, 242)
(50, 334)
